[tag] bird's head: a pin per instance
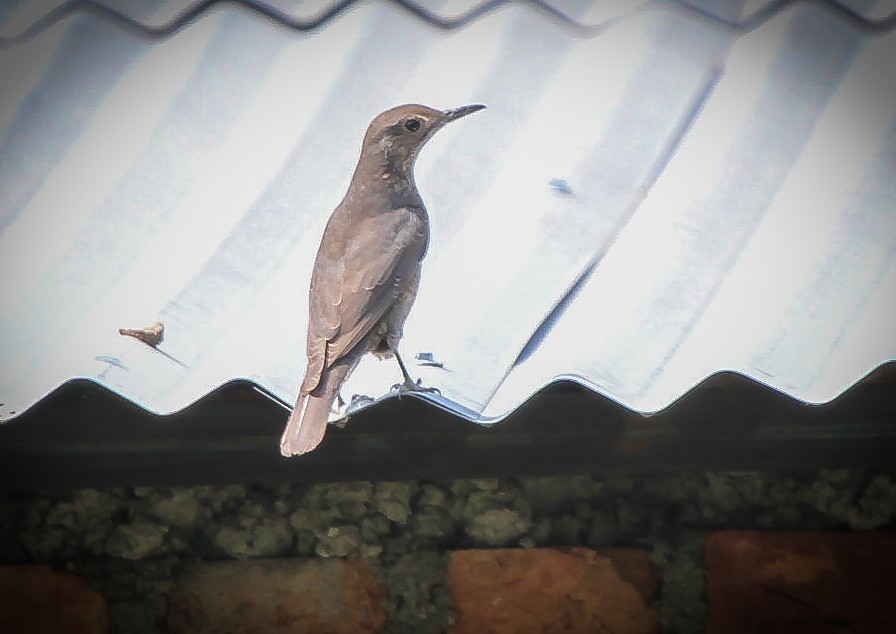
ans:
(395, 136)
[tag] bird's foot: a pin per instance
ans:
(358, 401)
(406, 387)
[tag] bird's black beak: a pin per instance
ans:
(463, 111)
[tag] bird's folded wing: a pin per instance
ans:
(382, 253)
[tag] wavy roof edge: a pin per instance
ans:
(885, 372)
(77, 439)
(578, 27)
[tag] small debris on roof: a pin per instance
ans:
(151, 335)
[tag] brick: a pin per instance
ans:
(800, 583)
(41, 599)
(554, 590)
(283, 596)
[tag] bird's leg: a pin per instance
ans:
(340, 407)
(410, 385)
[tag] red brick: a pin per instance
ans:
(41, 599)
(800, 583)
(554, 590)
(283, 596)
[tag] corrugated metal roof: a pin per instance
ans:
(686, 188)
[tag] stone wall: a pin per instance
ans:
(421, 556)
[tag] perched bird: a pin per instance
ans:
(365, 277)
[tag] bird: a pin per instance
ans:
(367, 270)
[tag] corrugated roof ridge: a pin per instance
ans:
(278, 16)
(768, 12)
(545, 8)
(883, 373)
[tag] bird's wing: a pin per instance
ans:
(352, 290)
(379, 261)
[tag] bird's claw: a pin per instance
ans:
(357, 402)
(414, 386)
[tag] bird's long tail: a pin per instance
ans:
(308, 421)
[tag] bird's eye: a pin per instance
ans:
(412, 125)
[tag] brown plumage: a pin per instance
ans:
(367, 269)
